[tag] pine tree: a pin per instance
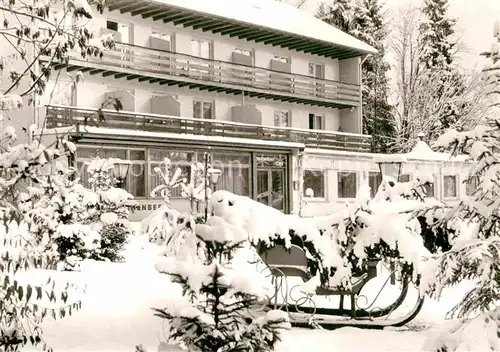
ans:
(436, 35)
(338, 13)
(378, 119)
(218, 310)
(437, 47)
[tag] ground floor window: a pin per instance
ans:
(314, 183)
(347, 184)
(136, 177)
(430, 190)
(471, 185)
(142, 179)
(374, 181)
(450, 186)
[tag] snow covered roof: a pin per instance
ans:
(420, 152)
(292, 28)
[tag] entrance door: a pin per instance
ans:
(271, 181)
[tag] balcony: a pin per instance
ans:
(63, 116)
(173, 69)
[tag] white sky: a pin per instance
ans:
(475, 19)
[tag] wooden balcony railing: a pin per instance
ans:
(62, 116)
(236, 76)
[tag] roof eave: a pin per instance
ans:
(234, 28)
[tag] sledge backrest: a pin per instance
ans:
(279, 255)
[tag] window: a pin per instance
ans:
(429, 189)
(282, 118)
(315, 122)
(179, 159)
(471, 185)
(123, 31)
(314, 180)
(246, 52)
(450, 186)
(280, 58)
(374, 181)
(203, 109)
(135, 183)
(235, 167)
(201, 48)
(347, 184)
(162, 35)
(316, 70)
(112, 25)
(136, 178)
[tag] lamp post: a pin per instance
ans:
(390, 167)
(206, 159)
(120, 170)
(214, 177)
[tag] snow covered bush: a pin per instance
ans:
(31, 216)
(109, 211)
(93, 224)
(475, 229)
(219, 310)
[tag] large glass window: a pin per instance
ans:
(347, 184)
(235, 168)
(179, 159)
(374, 181)
(315, 180)
(135, 182)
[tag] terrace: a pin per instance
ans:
(145, 64)
(63, 116)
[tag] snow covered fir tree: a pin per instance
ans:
(221, 305)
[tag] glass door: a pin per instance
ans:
(271, 181)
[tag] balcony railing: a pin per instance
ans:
(62, 116)
(235, 77)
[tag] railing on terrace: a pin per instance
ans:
(60, 116)
(180, 65)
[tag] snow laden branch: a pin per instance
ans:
(28, 194)
(41, 34)
(474, 255)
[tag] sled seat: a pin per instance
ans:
(293, 262)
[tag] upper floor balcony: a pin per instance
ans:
(173, 69)
(63, 116)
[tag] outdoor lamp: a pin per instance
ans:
(390, 166)
(214, 176)
(120, 170)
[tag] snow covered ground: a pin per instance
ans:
(116, 313)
